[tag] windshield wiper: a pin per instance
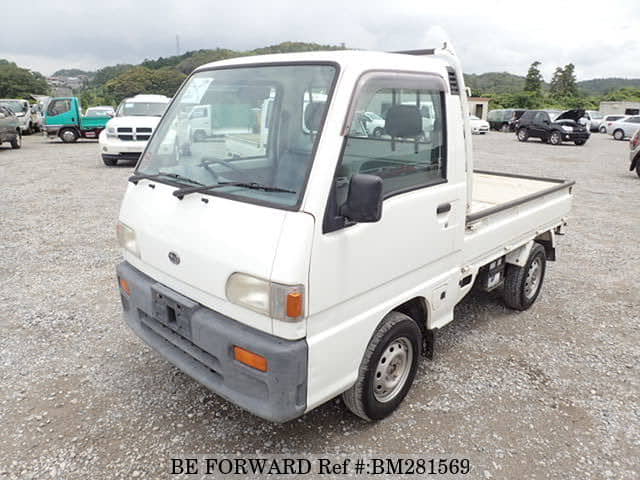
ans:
(181, 192)
(137, 177)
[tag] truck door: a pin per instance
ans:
(61, 111)
(423, 212)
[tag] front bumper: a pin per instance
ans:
(119, 150)
(201, 341)
(573, 136)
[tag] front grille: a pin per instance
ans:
(128, 134)
(180, 344)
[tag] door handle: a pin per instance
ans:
(443, 208)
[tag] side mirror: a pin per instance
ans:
(110, 114)
(2, 115)
(364, 201)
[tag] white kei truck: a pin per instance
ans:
(325, 264)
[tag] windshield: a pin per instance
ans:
(98, 112)
(246, 124)
(595, 115)
(17, 106)
(141, 109)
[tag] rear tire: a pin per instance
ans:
(378, 132)
(618, 134)
(603, 130)
(109, 162)
(555, 138)
(387, 369)
(638, 169)
(523, 135)
(16, 143)
(68, 135)
(505, 127)
(522, 285)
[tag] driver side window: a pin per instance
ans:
(397, 134)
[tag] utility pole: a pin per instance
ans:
(177, 44)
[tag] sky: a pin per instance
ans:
(601, 38)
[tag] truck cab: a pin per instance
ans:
(64, 119)
(324, 264)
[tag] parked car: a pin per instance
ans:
(22, 111)
(478, 126)
(624, 128)
(373, 123)
(608, 120)
(100, 112)
(126, 135)
(10, 128)
(36, 117)
(565, 127)
(324, 266)
(64, 119)
(634, 155)
(504, 119)
(594, 119)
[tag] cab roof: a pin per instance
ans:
(356, 59)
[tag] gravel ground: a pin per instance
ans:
(548, 393)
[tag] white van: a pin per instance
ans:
(325, 265)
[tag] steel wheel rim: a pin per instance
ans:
(521, 134)
(19, 140)
(392, 370)
(532, 279)
(68, 135)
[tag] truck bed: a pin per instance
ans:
(509, 210)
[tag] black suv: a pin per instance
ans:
(566, 127)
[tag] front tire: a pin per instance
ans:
(378, 132)
(618, 134)
(555, 138)
(638, 169)
(387, 369)
(16, 143)
(580, 142)
(523, 135)
(109, 162)
(603, 129)
(68, 135)
(522, 285)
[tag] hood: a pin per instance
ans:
(575, 115)
(133, 122)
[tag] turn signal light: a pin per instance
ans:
(249, 358)
(125, 286)
(295, 304)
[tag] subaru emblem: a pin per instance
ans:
(174, 258)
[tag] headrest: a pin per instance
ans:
(313, 115)
(403, 121)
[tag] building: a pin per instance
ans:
(620, 108)
(479, 106)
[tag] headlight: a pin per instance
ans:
(282, 302)
(127, 239)
(20, 114)
(567, 129)
(111, 132)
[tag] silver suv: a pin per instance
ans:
(10, 128)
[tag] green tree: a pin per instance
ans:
(533, 81)
(555, 88)
(16, 82)
(136, 80)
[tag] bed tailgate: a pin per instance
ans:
(509, 210)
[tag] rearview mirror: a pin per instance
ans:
(364, 201)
